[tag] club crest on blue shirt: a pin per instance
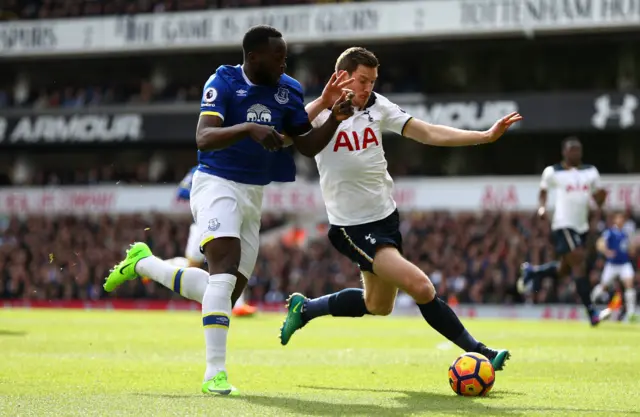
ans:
(282, 96)
(214, 224)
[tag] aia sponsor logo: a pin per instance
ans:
(354, 142)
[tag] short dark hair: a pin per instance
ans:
(258, 36)
(352, 57)
(570, 140)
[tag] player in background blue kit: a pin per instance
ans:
(184, 188)
(616, 246)
(194, 257)
(245, 112)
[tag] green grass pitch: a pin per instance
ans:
(108, 363)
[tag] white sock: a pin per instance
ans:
(240, 301)
(596, 293)
(190, 283)
(630, 301)
(179, 261)
(216, 313)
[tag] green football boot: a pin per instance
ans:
(497, 357)
(293, 321)
(219, 385)
(126, 270)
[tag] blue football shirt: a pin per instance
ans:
(618, 242)
(230, 95)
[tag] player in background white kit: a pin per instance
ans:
(357, 190)
(575, 184)
(618, 249)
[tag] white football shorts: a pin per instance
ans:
(192, 252)
(223, 208)
(612, 271)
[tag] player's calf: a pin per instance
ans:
(530, 278)
(390, 266)
(377, 298)
(599, 293)
(378, 309)
(349, 302)
(379, 295)
(189, 282)
(223, 258)
(630, 297)
(577, 260)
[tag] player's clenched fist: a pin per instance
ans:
(266, 136)
(343, 107)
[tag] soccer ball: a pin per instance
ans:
(471, 375)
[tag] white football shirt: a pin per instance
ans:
(355, 184)
(574, 188)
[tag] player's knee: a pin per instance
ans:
(194, 263)
(564, 270)
(223, 255)
(578, 266)
(377, 307)
(422, 290)
(577, 256)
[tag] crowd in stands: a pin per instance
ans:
(57, 9)
(86, 97)
(472, 257)
(106, 174)
(137, 93)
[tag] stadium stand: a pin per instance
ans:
(57, 9)
(60, 127)
(471, 257)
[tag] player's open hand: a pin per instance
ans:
(339, 81)
(343, 107)
(266, 136)
(502, 125)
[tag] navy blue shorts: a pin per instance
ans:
(359, 243)
(567, 240)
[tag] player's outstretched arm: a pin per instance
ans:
(439, 135)
(312, 143)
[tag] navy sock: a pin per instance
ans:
(316, 307)
(550, 269)
(444, 320)
(346, 303)
(583, 288)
